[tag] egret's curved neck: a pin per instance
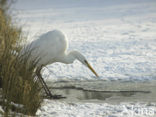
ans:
(67, 58)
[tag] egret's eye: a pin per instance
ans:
(86, 61)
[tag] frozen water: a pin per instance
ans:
(117, 38)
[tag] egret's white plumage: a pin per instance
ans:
(49, 47)
(52, 47)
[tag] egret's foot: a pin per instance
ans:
(55, 96)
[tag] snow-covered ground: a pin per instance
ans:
(63, 109)
(118, 37)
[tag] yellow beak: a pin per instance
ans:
(90, 67)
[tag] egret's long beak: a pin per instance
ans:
(90, 67)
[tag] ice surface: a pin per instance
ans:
(117, 38)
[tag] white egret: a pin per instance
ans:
(52, 47)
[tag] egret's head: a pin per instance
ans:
(83, 60)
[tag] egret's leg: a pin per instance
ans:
(38, 72)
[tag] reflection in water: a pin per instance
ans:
(95, 95)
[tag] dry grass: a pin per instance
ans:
(18, 79)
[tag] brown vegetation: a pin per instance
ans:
(19, 83)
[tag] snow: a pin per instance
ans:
(117, 37)
(59, 109)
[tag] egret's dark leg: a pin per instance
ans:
(38, 73)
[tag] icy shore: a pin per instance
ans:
(59, 109)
